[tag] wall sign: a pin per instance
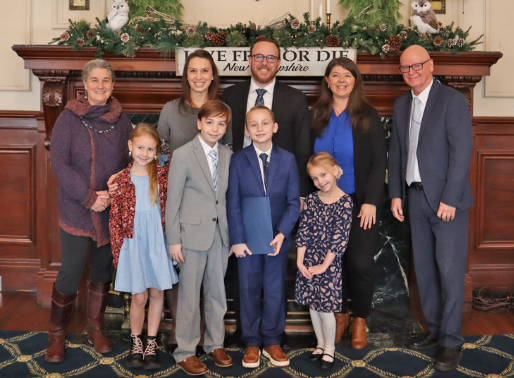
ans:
(233, 61)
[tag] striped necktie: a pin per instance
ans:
(265, 169)
(213, 156)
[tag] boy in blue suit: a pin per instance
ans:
(262, 169)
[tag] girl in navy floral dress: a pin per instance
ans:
(321, 240)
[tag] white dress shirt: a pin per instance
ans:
(206, 150)
(252, 97)
(423, 98)
(259, 152)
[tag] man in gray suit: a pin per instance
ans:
(429, 161)
(197, 234)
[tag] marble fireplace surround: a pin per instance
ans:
(145, 83)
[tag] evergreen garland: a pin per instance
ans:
(173, 8)
(374, 12)
(166, 35)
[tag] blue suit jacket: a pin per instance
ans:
(444, 148)
(245, 180)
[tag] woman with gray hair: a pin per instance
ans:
(88, 145)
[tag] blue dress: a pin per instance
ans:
(144, 261)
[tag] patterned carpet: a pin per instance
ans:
(22, 354)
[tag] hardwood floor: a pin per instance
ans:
(19, 311)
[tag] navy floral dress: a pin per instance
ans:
(323, 228)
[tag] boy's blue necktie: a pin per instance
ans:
(265, 169)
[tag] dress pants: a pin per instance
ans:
(262, 276)
(440, 256)
(208, 267)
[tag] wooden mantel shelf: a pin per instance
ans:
(48, 57)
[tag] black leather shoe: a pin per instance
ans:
(327, 364)
(315, 357)
(448, 360)
(428, 341)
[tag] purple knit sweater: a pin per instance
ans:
(83, 160)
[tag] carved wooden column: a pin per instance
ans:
(53, 97)
(465, 85)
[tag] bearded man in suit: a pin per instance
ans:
(429, 162)
(288, 104)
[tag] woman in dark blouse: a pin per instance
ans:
(346, 126)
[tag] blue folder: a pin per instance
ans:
(257, 224)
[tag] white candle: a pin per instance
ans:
(312, 9)
(328, 6)
(321, 12)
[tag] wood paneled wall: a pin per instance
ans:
(491, 236)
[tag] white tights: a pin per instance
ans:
(324, 324)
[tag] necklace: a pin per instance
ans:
(95, 130)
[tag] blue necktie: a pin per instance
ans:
(265, 169)
(415, 125)
(260, 96)
(212, 155)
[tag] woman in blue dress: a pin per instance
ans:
(347, 127)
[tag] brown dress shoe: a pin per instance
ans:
(342, 323)
(359, 339)
(62, 307)
(221, 358)
(276, 355)
(251, 358)
(193, 366)
(97, 300)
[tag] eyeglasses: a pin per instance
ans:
(415, 67)
(260, 58)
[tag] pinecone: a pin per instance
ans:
(209, 35)
(438, 41)
(311, 29)
(461, 42)
(446, 33)
(125, 37)
(219, 39)
(451, 43)
(89, 34)
(260, 37)
(386, 48)
(403, 34)
(295, 24)
(333, 41)
(139, 29)
(65, 37)
(190, 30)
(395, 43)
(80, 42)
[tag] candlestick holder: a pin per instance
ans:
(328, 20)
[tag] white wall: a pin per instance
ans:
(38, 21)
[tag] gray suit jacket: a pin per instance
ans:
(444, 148)
(193, 209)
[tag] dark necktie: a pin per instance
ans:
(265, 169)
(260, 97)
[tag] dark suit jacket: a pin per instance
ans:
(370, 162)
(444, 148)
(293, 118)
(245, 180)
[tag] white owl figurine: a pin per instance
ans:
(424, 17)
(119, 15)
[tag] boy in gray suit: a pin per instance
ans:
(197, 234)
